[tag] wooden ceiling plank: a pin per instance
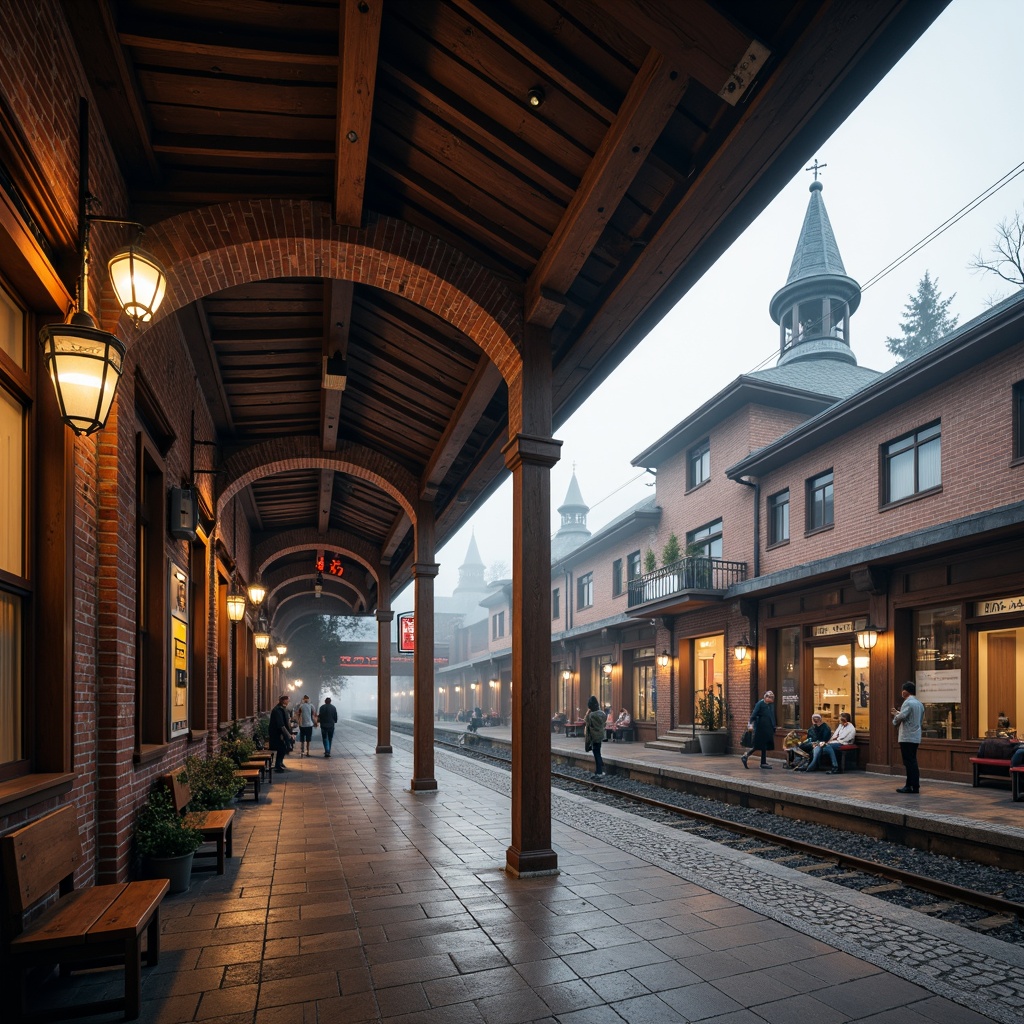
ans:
(115, 89)
(703, 44)
(652, 99)
(198, 43)
(358, 43)
(396, 533)
(181, 145)
(477, 396)
(196, 330)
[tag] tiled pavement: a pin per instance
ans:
(352, 899)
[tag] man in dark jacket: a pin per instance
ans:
(280, 732)
(328, 718)
(819, 732)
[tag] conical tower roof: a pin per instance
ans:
(573, 531)
(814, 306)
(471, 572)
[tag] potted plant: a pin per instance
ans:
(164, 842)
(698, 567)
(213, 782)
(239, 748)
(711, 714)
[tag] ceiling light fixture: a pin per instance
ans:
(535, 97)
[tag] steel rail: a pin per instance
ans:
(922, 883)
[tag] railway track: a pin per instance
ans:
(993, 912)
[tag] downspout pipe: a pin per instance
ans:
(756, 486)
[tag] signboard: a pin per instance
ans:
(938, 686)
(332, 568)
(406, 633)
(1000, 606)
(177, 605)
(832, 629)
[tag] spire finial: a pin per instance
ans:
(816, 167)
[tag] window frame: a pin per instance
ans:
(617, 578)
(887, 458)
(634, 566)
(698, 464)
(498, 625)
(556, 610)
(585, 591)
(1017, 396)
(779, 533)
(820, 482)
(709, 539)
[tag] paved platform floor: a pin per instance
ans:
(353, 899)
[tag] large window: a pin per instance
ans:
(912, 464)
(556, 611)
(698, 464)
(15, 587)
(787, 678)
(643, 685)
(1000, 677)
(778, 517)
(937, 668)
(617, 577)
(820, 502)
(585, 590)
(705, 541)
(1018, 420)
(633, 566)
(150, 597)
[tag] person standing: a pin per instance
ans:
(909, 717)
(328, 717)
(593, 730)
(280, 732)
(307, 719)
(762, 725)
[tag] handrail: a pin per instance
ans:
(693, 572)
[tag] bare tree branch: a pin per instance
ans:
(1006, 252)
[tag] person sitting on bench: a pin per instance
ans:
(819, 732)
(845, 733)
(623, 722)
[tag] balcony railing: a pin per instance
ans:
(692, 573)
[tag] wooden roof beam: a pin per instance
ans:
(395, 535)
(652, 98)
(337, 319)
(358, 42)
(324, 506)
(480, 390)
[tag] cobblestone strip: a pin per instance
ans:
(968, 968)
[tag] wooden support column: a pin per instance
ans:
(424, 570)
(529, 455)
(384, 617)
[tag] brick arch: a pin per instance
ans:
(291, 598)
(207, 250)
(276, 581)
(290, 621)
(289, 542)
(286, 454)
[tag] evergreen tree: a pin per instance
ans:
(670, 552)
(926, 319)
(650, 561)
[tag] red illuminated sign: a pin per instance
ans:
(407, 633)
(333, 567)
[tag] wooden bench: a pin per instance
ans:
(267, 757)
(216, 826)
(258, 765)
(626, 734)
(250, 777)
(102, 923)
(845, 753)
(990, 768)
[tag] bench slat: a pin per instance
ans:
(68, 922)
(130, 912)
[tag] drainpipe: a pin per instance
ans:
(756, 485)
(757, 520)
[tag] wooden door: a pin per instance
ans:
(1002, 678)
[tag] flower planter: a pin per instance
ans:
(177, 870)
(713, 742)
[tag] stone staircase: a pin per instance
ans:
(681, 740)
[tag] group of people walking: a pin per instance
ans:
(821, 740)
(305, 717)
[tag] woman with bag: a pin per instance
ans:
(762, 729)
(593, 731)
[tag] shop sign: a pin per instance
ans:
(406, 633)
(832, 629)
(938, 685)
(1000, 606)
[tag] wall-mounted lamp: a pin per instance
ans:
(282, 649)
(535, 97)
(235, 598)
(256, 591)
(261, 635)
(867, 637)
(663, 659)
(271, 658)
(741, 650)
(606, 668)
(566, 674)
(286, 663)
